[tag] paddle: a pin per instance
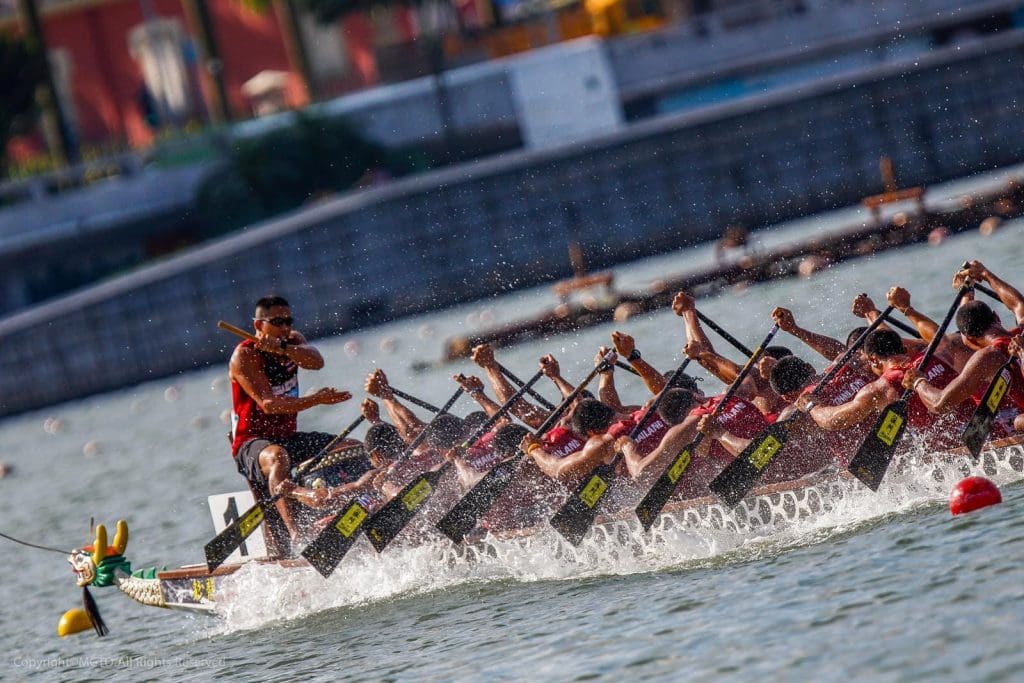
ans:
(649, 508)
(977, 429)
(327, 549)
(389, 521)
(577, 514)
(724, 335)
(734, 482)
(532, 392)
(415, 401)
(909, 329)
(464, 515)
(872, 460)
(228, 540)
(238, 331)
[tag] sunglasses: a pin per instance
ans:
(279, 321)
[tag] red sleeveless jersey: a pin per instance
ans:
(1015, 394)
(842, 388)
(561, 442)
(248, 421)
(939, 375)
(649, 437)
(739, 417)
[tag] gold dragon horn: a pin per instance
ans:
(121, 537)
(99, 548)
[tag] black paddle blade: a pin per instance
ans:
(465, 515)
(576, 516)
(735, 481)
(327, 549)
(650, 507)
(389, 521)
(976, 432)
(229, 540)
(875, 454)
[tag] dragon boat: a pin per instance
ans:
(766, 511)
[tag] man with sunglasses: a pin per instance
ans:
(265, 403)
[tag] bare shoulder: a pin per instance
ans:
(245, 361)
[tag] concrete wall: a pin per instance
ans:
(470, 230)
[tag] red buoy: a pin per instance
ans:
(972, 494)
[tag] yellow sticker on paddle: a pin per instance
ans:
(679, 466)
(765, 452)
(890, 427)
(250, 521)
(350, 520)
(592, 492)
(417, 494)
(996, 396)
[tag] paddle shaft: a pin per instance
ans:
(323, 451)
(415, 401)
(531, 391)
(872, 459)
(667, 483)
(909, 329)
(464, 515)
(939, 334)
(734, 482)
(725, 335)
(848, 354)
(385, 524)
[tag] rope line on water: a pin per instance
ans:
(33, 545)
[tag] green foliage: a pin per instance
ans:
(280, 170)
(22, 70)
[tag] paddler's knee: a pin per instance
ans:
(274, 457)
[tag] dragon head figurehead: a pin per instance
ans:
(95, 565)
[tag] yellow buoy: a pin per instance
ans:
(75, 620)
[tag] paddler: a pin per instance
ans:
(755, 387)
(265, 403)
(982, 332)
(683, 409)
(885, 350)
(559, 441)
(809, 448)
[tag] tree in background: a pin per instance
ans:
(22, 71)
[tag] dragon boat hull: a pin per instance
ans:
(195, 589)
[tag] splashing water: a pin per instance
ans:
(705, 535)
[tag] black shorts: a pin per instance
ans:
(301, 446)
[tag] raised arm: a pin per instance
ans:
(405, 421)
(951, 348)
(1007, 293)
(549, 366)
(475, 388)
(483, 355)
(607, 393)
(826, 346)
(625, 346)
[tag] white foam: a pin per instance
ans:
(712, 535)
